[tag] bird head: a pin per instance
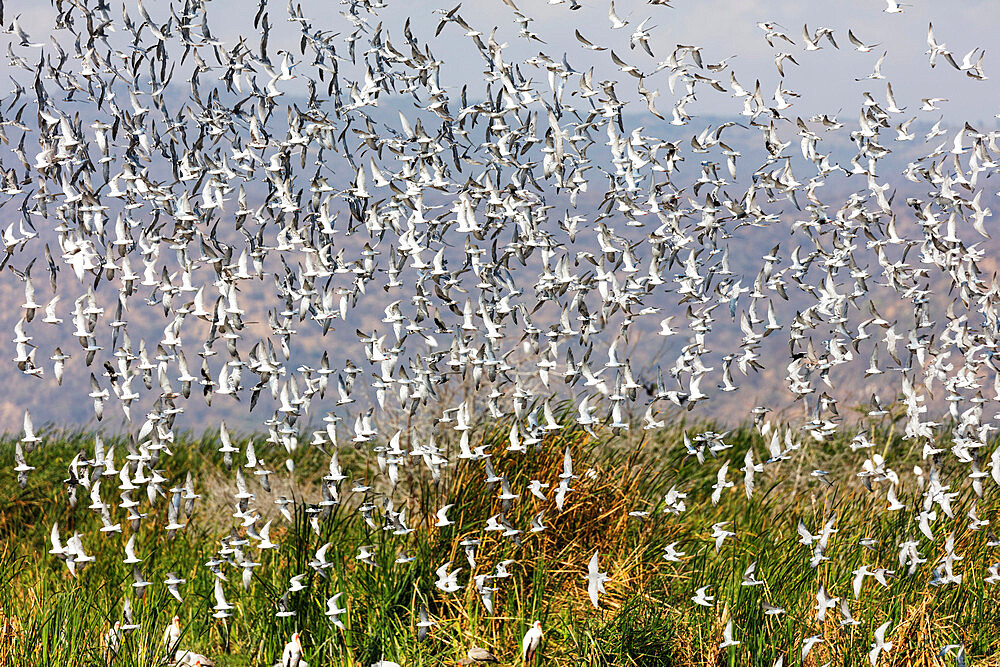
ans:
(176, 620)
(538, 625)
(297, 640)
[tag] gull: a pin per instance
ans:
(319, 561)
(893, 7)
(859, 578)
(749, 468)
(173, 582)
(641, 36)
(21, 466)
(701, 598)
(112, 641)
(808, 643)
(366, 554)
(535, 487)
(936, 49)
(595, 580)
(748, 576)
(880, 645)
(442, 517)
(721, 483)
(29, 438)
(334, 611)
(858, 44)
(890, 98)
(877, 70)
(727, 636)
(771, 32)
(770, 609)
(959, 656)
(615, 21)
(845, 611)
(567, 471)
(264, 537)
(720, 534)
(447, 581)
(894, 503)
(424, 622)
(780, 59)
(221, 607)
(57, 547)
(485, 592)
(22, 35)
(823, 603)
(671, 554)
(295, 582)
(588, 44)
(561, 490)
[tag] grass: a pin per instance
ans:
(646, 618)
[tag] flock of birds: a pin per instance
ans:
(514, 235)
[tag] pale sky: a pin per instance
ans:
(723, 28)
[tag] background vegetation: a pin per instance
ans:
(48, 617)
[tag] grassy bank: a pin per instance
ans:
(646, 617)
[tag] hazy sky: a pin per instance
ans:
(723, 28)
(825, 79)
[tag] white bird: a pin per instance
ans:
(173, 582)
(880, 644)
(721, 483)
(595, 580)
(221, 607)
(749, 469)
(185, 658)
(749, 578)
(535, 487)
(112, 641)
(130, 557)
(291, 656)
(172, 636)
(823, 603)
(702, 598)
(442, 516)
(727, 636)
(334, 611)
(615, 21)
(531, 642)
(447, 581)
(670, 553)
(845, 611)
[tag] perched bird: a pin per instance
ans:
(291, 656)
(184, 658)
(531, 642)
(477, 655)
(172, 637)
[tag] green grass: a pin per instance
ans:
(48, 617)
